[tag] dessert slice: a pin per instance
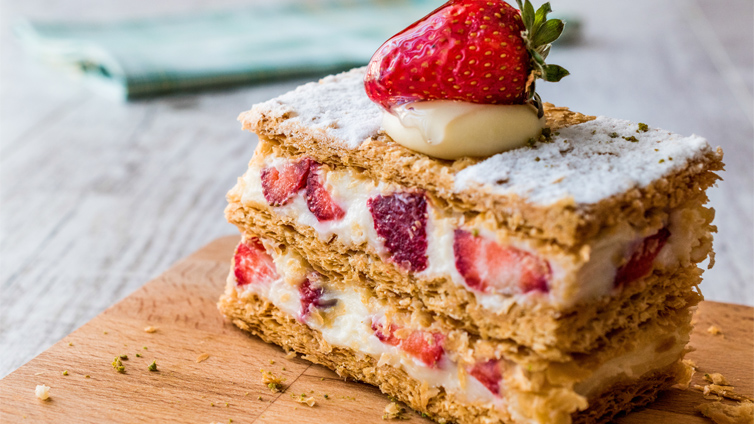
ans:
(433, 366)
(348, 215)
(428, 225)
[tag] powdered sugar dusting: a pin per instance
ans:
(337, 105)
(586, 162)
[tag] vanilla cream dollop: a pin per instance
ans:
(449, 129)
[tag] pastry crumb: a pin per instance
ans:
(714, 330)
(393, 412)
(201, 358)
(150, 329)
(720, 413)
(290, 355)
(716, 378)
(42, 391)
(304, 399)
(273, 382)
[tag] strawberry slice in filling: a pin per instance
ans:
(400, 219)
(279, 185)
(487, 266)
(311, 297)
(252, 264)
(422, 345)
(318, 199)
(642, 258)
(489, 374)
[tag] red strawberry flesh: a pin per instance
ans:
(311, 298)
(280, 184)
(386, 335)
(488, 373)
(487, 266)
(422, 345)
(642, 258)
(318, 199)
(466, 50)
(252, 264)
(401, 220)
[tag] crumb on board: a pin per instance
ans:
(201, 358)
(42, 391)
(714, 330)
(70, 343)
(393, 412)
(271, 362)
(87, 376)
(717, 378)
(65, 372)
(118, 365)
(290, 355)
(150, 329)
(273, 382)
(304, 399)
(720, 413)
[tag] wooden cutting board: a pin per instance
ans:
(226, 386)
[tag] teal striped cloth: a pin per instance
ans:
(148, 57)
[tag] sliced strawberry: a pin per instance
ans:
(424, 346)
(642, 258)
(311, 297)
(318, 199)
(466, 50)
(489, 267)
(280, 185)
(489, 374)
(386, 335)
(252, 264)
(401, 220)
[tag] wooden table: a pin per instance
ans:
(97, 197)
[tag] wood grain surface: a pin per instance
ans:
(226, 386)
(97, 197)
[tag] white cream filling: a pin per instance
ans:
(594, 276)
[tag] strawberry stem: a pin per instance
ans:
(539, 35)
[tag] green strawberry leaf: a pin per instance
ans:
(554, 73)
(548, 32)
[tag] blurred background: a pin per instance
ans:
(112, 167)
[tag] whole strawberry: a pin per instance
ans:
(479, 51)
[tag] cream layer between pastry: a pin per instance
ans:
(351, 317)
(683, 234)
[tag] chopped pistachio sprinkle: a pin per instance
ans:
(661, 161)
(124, 357)
(145, 348)
(138, 355)
(326, 396)
(65, 372)
(259, 397)
(632, 139)
(152, 366)
(643, 127)
(613, 135)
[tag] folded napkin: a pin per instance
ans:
(148, 57)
